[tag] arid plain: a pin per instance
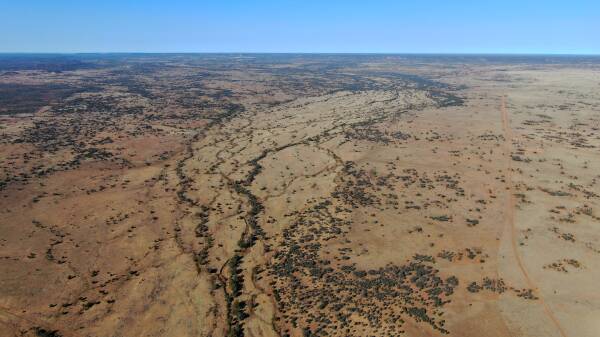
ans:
(299, 195)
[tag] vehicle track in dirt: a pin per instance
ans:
(510, 217)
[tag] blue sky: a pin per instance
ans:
(435, 26)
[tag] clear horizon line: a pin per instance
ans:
(302, 53)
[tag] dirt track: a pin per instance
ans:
(510, 216)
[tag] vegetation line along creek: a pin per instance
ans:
(298, 195)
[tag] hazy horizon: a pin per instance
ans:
(288, 53)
